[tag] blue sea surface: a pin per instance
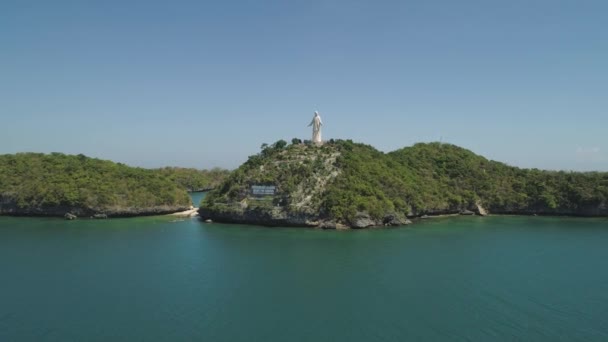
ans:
(161, 279)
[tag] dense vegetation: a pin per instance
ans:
(431, 178)
(437, 178)
(292, 169)
(34, 183)
(194, 179)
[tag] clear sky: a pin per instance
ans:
(203, 84)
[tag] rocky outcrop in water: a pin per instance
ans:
(70, 216)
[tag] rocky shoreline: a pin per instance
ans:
(277, 216)
(70, 213)
(363, 220)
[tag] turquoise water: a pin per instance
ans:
(457, 279)
(197, 197)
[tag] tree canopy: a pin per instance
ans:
(35, 180)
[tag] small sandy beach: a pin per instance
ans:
(187, 213)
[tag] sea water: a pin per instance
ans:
(162, 279)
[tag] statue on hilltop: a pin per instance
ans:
(316, 124)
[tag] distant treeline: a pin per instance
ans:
(44, 183)
(195, 179)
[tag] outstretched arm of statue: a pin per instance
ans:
(311, 123)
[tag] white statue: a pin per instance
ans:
(316, 124)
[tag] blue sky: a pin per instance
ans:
(203, 84)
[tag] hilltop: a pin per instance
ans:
(347, 184)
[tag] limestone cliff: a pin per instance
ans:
(281, 186)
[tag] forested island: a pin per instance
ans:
(36, 184)
(338, 184)
(343, 184)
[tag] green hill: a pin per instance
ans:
(347, 184)
(195, 179)
(56, 184)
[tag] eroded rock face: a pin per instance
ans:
(329, 224)
(69, 216)
(261, 216)
(291, 197)
(395, 220)
(362, 220)
(480, 210)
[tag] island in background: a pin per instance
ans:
(36, 184)
(342, 184)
